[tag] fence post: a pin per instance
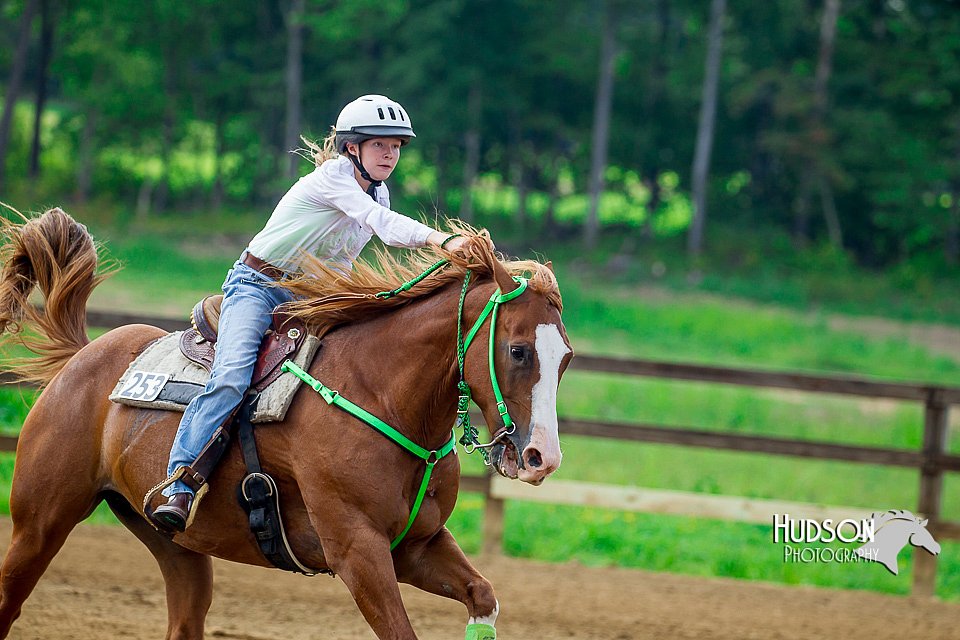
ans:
(931, 488)
(492, 521)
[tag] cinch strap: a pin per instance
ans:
(429, 457)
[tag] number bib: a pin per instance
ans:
(143, 385)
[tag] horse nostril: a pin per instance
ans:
(534, 459)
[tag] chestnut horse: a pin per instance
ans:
(346, 491)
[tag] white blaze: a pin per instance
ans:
(550, 352)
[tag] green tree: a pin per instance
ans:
(17, 71)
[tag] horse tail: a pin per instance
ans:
(56, 254)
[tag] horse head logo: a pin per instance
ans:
(892, 531)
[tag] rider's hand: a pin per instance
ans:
(455, 244)
(437, 238)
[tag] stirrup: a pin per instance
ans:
(176, 475)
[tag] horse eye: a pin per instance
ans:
(519, 354)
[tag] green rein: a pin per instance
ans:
(469, 438)
(430, 457)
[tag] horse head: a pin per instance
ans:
(521, 349)
(530, 352)
(892, 530)
(920, 537)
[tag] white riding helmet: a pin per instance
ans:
(375, 116)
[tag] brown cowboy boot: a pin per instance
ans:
(173, 515)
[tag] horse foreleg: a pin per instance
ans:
(188, 575)
(439, 566)
(364, 564)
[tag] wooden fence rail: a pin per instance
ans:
(931, 461)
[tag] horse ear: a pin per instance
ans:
(924, 523)
(500, 275)
(549, 265)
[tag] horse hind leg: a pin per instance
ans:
(42, 520)
(188, 575)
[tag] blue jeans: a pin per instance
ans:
(248, 299)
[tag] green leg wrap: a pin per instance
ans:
(481, 632)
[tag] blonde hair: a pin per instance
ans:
(319, 152)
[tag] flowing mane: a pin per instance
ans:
(332, 298)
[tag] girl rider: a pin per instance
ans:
(331, 213)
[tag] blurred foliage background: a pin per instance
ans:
(836, 129)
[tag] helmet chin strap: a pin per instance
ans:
(372, 189)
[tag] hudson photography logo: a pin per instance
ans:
(880, 538)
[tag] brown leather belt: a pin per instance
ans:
(264, 267)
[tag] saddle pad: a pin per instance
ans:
(162, 378)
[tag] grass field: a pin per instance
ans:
(615, 315)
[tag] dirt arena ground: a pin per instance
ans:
(105, 585)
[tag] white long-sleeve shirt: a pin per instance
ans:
(327, 214)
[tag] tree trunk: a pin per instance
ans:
(952, 240)
(219, 144)
(601, 123)
(828, 37)
(295, 34)
(705, 129)
(13, 85)
(471, 163)
(658, 80)
(653, 203)
(550, 230)
(522, 185)
(144, 194)
(85, 153)
(951, 245)
(46, 46)
(813, 171)
(801, 210)
(440, 160)
(830, 215)
(161, 195)
(518, 172)
(658, 73)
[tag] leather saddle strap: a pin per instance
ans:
(206, 461)
(196, 348)
(259, 492)
(199, 472)
(285, 340)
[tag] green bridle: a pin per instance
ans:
(469, 439)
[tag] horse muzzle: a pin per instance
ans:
(539, 458)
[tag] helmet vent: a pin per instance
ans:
(374, 116)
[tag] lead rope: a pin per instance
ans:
(409, 284)
(471, 436)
